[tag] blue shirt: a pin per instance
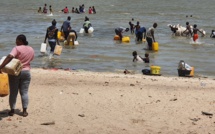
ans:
(65, 26)
(142, 29)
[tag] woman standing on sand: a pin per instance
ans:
(20, 83)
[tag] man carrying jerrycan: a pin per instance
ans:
(150, 36)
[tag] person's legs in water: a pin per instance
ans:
(52, 45)
(86, 29)
(65, 34)
(195, 37)
(149, 41)
(139, 36)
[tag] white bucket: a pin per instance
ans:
(76, 42)
(81, 30)
(90, 30)
(43, 47)
(14, 67)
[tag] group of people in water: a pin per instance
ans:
(79, 10)
(45, 10)
(140, 32)
(68, 33)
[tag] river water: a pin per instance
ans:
(99, 52)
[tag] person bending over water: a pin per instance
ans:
(72, 35)
(86, 24)
(121, 30)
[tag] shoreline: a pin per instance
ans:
(95, 102)
(132, 72)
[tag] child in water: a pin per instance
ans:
(195, 35)
(131, 27)
(50, 9)
(138, 58)
(39, 10)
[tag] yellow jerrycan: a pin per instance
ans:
(4, 85)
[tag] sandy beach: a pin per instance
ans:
(80, 102)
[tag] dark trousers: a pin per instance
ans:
(86, 29)
(66, 33)
(139, 36)
(52, 45)
(149, 41)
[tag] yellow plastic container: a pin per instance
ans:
(192, 71)
(126, 39)
(71, 43)
(155, 46)
(116, 37)
(14, 67)
(4, 85)
(155, 69)
(60, 36)
(58, 50)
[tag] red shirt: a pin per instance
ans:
(66, 10)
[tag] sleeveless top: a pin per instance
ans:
(148, 33)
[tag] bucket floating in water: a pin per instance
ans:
(90, 30)
(155, 46)
(14, 67)
(116, 37)
(4, 85)
(76, 43)
(155, 70)
(125, 39)
(81, 30)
